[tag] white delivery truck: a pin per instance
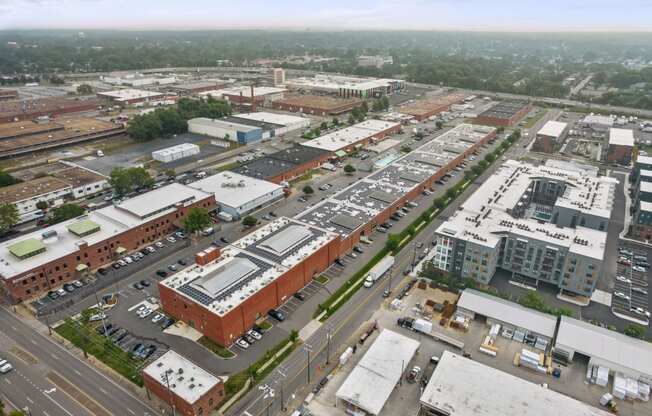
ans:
(225, 216)
(378, 270)
(423, 326)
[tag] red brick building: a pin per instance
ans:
(189, 389)
(621, 146)
(8, 95)
(228, 290)
(41, 261)
(29, 109)
(286, 164)
(505, 114)
(317, 104)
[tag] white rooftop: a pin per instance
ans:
(606, 345)
(621, 137)
(598, 119)
(242, 269)
(130, 94)
(348, 136)
(333, 83)
(645, 186)
(553, 129)
(186, 380)
(485, 215)
(461, 387)
(209, 122)
(274, 118)
(506, 311)
(646, 160)
(176, 149)
(244, 90)
(161, 199)
(374, 377)
(236, 190)
(112, 220)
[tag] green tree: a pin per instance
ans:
(249, 221)
(439, 203)
(6, 179)
(477, 170)
(364, 108)
(170, 173)
(196, 220)
(349, 169)
(307, 190)
(84, 89)
(500, 129)
(393, 240)
(352, 118)
(335, 122)
(439, 125)
(316, 132)
(42, 205)
(8, 217)
(483, 164)
(450, 193)
(406, 149)
(468, 175)
(635, 331)
(124, 180)
(323, 125)
(294, 335)
(65, 212)
(534, 300)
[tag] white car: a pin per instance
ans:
(122, 263)
(77, 283)
(255, 335)
(640, 311)
(128, 260)
(621, 295)
(171, 239)
(5, 367)
(151, 249)
(159, 244)
(61, 292)
(639, 269)
(157, 318)
(623, 279)
(145, 313)
(242, 343)
(97, 317)
(639, 290)
(140, 309)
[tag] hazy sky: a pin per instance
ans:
(508, 15)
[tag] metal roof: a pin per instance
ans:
(460, 387)
(509, 312)
(553, 129)
(621, 137)
(225, 277)
(287, 239)
(372, 381)
(347, 221)
(383, 196)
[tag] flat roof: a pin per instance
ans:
(249, 264)
(83, 227)
(130, 94)
(598, 119)
(375, 376)
(606, 345)
(186, 380)
(504, 109)
(265, 167)
(176, 149)
(506, 311)
(621, 137)
(274, 118)
(324, 102)
(431, 104)
(79, 176)
(26, 247)
(15, 108)
(348, 136)
(244, 90)
(31, 189)
(161, 199)
(235, 190)
(460, 386)
(223, 123)
(646, 160)
(553, 129)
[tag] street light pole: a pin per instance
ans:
(328, 345)
(308, 349)
(167, 382)
(281, 387)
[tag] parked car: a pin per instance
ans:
(254, 334)
(157, 318)
(151, 249)
(299, 296)
(224, 240)
(161, 273)
(172, 268)
(413, 375)
(147, 312)
(53, 295)
(623, 279)
(171, 239)
(127, 259)
(97, 317)
(145, 283)
(276, 314)
(639, 290)
(77, 283)
(339, 262)
(138, 286)
(640, 258)
(250, 340)
(357, 249)
(182, 262)
(102, 271)
(639, 269)
(242, 343)
(640, 311)
(167, 323)
(621, 295)
(159, 244)
(5, 367)
(61, 292)
(406, 322)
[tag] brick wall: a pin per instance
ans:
(203, 406)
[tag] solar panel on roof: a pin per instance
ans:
(225, 277)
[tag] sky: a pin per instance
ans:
(474, 15)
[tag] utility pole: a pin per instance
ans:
(328, 344)
(308, 349)
(281, 387)
(101, 313)
(167, 382)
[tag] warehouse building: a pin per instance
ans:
(422, 109)
(355, 137)
(460, 386)
(231, 288)
(241, 96)
(26, 195)
(237, 194)
(541, 223)
(285, 165)
(598, 122)
(180, 151)
(366, 390)
(84, 182)
(279, 124)
(131, 96)
(18, 110)
(195, 87)
(550, 137)
(579, 340)
(522, 322)
(188, 388)
(40, 261)
(18, 138)
(318, 105)
(356, 210)
(621, 146)
(224, 129)
(138, 80)
(345, 86)
(505, 113)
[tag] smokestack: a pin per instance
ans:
(253, 100)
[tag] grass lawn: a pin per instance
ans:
(266, 326)
(321, 279)
(86, 338)
(215, 348)
(531, 122)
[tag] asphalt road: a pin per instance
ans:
(54, 359)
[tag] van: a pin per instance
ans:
(207, 231)
(200, 175)
(99, 153)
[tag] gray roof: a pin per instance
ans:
(287, 239)
(225, 277)
(383, 196)
(346, 221)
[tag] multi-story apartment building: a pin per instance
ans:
(541, 222)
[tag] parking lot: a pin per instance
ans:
(630, 298)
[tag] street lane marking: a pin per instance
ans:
(131, 411)
(103, 391)
(77, 372)
(54, 356)
(77, 395)
(8, 381)
(29, 400)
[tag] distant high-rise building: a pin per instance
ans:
(279, 76)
